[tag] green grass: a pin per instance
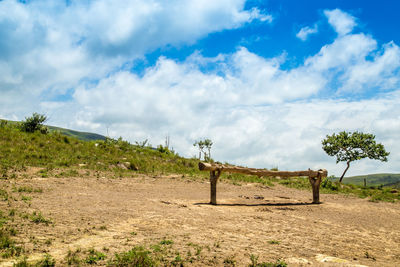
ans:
(84, 136)
(384, 179)
(255, 263)
(46, 261)
(55, 150)
(37, 217)
(137, 256)
(8, 248)
(27, 189)
(94, 256)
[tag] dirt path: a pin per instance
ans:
(274, 223)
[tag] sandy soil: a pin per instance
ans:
(102, 213)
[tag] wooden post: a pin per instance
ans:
(214, 175)
(315, 183)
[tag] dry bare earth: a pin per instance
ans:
(90, 212)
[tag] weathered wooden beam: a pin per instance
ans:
(315, 177)
(203, 166)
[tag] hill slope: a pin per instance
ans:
(385, 179)
(85, 136)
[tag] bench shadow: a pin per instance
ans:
(259, 204)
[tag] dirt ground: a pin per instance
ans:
(271, 222)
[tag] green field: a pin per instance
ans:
(85, 136)
(379, 179)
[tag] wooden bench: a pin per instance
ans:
(315, 177)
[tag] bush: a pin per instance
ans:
(34, 123)
(328, 184)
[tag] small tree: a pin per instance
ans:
(34, 123)
(348, 147)
(202, 144)
(199, 144)
(208, 144)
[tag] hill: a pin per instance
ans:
(85, 136)
(384, 179)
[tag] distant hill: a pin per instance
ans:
(385, 179)
(85, 136)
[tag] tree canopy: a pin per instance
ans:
(206, 143)
(351, 146)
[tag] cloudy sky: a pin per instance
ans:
(266, 81)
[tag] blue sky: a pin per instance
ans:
(265, 80)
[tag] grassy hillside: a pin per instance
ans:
(85, 136)
(384, 179)
(56, 150)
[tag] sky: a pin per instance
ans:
(266, 81)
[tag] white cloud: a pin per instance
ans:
(49, 47)
(380, 72)
(343, 52)
(305, 32)
(342, 22)
(255, 14)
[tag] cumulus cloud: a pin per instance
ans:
(305, 32)
(48, 47)
(342, 22)
(380, 72)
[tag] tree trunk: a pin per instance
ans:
(348, 166)
(214, 175)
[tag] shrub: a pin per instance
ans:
(34, 123)
(328, 184)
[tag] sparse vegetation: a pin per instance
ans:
(46, 261)
(94, 256)
(137, 256)
(37, 217)
(255, 263)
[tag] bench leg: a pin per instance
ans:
(214, 175)
(315, 183)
